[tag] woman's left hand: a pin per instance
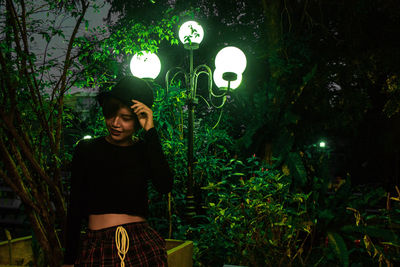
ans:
(144, 114)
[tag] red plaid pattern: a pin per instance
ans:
(146, 247)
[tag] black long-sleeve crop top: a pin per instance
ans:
(107, 178)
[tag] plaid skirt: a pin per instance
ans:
(132, 244)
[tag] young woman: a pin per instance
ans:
(109, 185)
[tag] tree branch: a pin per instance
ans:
(33, 187)
(28, 154)
(66, 67)
(17, 186)
(35, 92)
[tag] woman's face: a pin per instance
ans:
(121, 126)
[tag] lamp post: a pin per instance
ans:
(230, 63)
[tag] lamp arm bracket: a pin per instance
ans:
(220, 106)
(198, 68)
(218, 96)
(202, 69)
(178, 70)
(212, 94)
(219, 119)
(205, 100)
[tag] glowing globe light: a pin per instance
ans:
(222, 84)
(87, 137)
(231, 59)
(322, 144)
(192, 31)
(147, 65)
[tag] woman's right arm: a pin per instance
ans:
(158, 168)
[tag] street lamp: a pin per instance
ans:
(224, 84)
(231, 59)
(191, 34)
(145, 65)
(230, 63)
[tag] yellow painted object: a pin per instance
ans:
(179, 252)
(21, 252)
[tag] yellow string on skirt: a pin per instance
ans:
(122, 242)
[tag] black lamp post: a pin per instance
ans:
(230, 63)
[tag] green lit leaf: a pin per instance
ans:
(340, 248)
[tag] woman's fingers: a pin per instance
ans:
(144, 114)
(138, 104)
(140, 110)
(139, 107)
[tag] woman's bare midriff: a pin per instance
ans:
(100, 221)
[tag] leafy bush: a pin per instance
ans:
(252, 218)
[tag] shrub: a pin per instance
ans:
(252, 218)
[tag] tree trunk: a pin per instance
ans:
(30, 133)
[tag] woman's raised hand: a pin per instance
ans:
(144, 114)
